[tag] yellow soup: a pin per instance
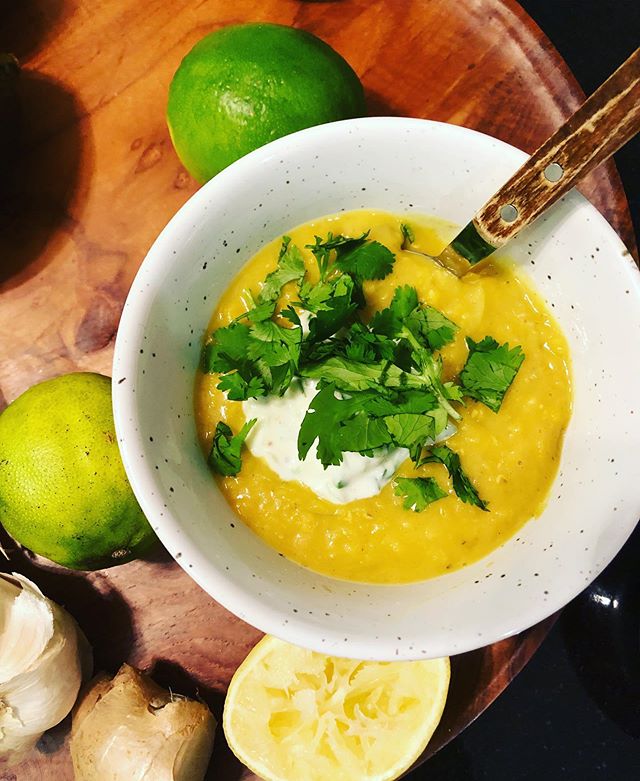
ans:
(511, 456)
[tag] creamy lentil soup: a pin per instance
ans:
(350, 521)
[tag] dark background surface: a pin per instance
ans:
(574, 712)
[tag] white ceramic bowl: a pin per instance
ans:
(578, 264)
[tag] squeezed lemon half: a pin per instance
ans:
(294, 714)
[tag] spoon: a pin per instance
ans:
(602, 124)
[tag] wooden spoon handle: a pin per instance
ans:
(604, 122)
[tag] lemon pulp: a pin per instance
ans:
(294, 714)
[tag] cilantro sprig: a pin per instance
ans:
(418, 492)
(462, 485)
(380, 382)
(359, 257)
(226, 448)
(290, 269)
(489, 371)
(408, 236)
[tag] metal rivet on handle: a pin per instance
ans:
(509, 213)
(553, 172)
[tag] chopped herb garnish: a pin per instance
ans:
(225, 455)
(379, 383)
(418, 492)
(489, 371)
(263, 356)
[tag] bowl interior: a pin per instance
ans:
(577, 263)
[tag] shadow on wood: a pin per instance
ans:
(110, 638)
(379, 106)
(43, 177)
(466, 676)
(27, 25)
(172, 676)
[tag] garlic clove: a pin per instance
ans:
(26, 631)
(41, 650)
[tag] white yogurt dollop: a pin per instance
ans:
(275, 438)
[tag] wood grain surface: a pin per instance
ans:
(95, 179)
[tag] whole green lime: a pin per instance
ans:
(244, 85)
(63, 490)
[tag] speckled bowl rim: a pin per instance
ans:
(242, 601)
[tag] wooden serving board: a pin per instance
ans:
(96, 180)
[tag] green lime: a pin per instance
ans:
(244, 85)
(63, 490)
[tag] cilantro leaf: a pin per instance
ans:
(416, 401)
(290, 268)
(404, 301)
(362, 434)
(257, 312)
(453, 392)
(278, 349)
(254, 360)
(353, 376)
(322, 249)
(225, 455)
(408, 236)
(462, 485)
(339, 425)
(316, 297)
(418, 492)
(275, 351)
(291, 315)
(355, 342)
(440, 420)
(358, 257)
(437, 329)
(325, 414)
(425, 323)
(227, 349)
(345, 374)
(410, 429)
(489, 371)
(369, 260)
(429, 372)
(344, 243)
(390, 321)
(360, 344)
(268, 331)
(337, 310)
(238, 388)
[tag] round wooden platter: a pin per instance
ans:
(96, 181)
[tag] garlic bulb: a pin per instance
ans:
(130, 729)
(41, 649)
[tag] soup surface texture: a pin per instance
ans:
(511, 456)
